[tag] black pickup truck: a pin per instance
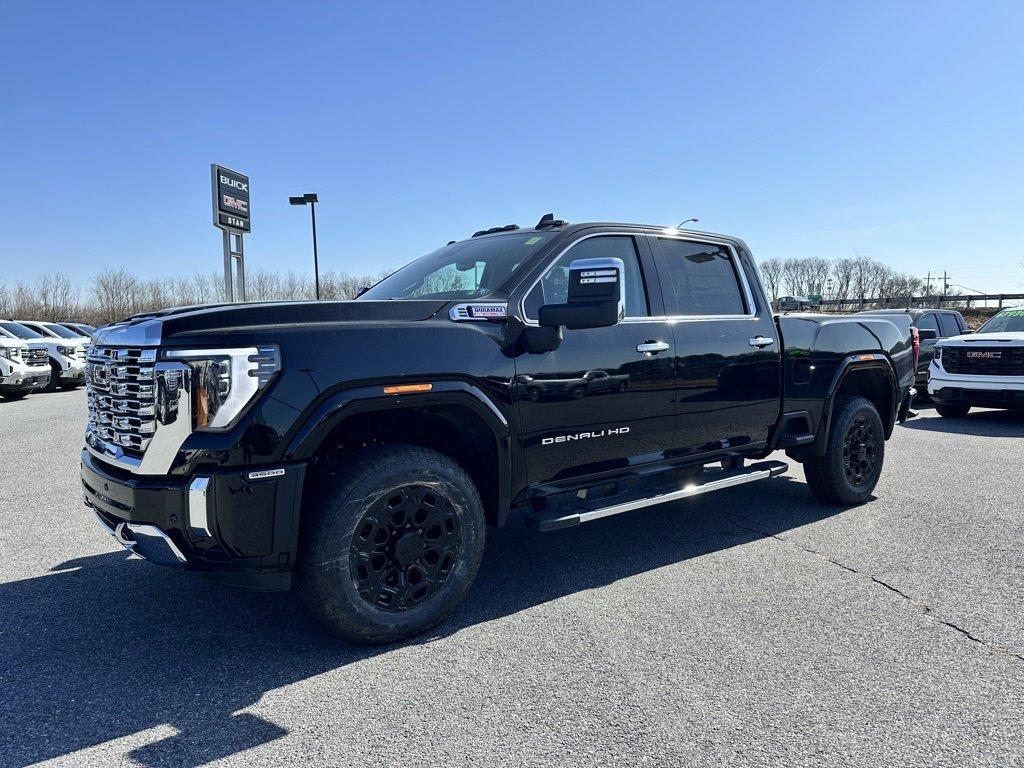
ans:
(359, 449)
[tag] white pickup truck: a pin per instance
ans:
(66, 350)
(983, 369)
(23, 367)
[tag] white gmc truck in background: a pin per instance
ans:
(983, 369)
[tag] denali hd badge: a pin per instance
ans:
(584, 436)
(984, 355)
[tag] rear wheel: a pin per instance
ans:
(13, 394)
(852, 464)
(391, 544)
(952, 411)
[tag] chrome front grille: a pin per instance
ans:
(36, 355)
(121, 392)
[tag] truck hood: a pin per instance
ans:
(151, 328)
(1014, 338)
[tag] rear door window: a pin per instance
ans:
(699, 279)
(927, 322)
(948, 325)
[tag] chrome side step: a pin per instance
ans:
(565, 518)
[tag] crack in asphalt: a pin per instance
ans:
(923, 607)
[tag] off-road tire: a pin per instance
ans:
(952, 411)
(13, 395)
(334, 515)
(829, 476)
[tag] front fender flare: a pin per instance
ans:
(338, 407)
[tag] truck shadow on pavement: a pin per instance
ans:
(978, 423)
(105, 647)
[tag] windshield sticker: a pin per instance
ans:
(1013, 313)
(532, 241)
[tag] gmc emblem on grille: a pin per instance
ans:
(984, 355)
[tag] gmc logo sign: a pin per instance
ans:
(242, 206)
(984, 355)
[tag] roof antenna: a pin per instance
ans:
(694, 220)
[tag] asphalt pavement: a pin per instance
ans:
(752, 627)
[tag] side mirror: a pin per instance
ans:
(596, 296)
(927, 334)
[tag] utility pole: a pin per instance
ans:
(945, 282)
(928, 285)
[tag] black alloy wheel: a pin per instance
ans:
(851, 465)
(404, 547)
(391, 540)
(860, 452)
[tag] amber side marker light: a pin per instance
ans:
(865, 357)
(405, 389)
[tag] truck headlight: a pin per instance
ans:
(938, 353)
(8, 352)
(225, 381)
(66, 351)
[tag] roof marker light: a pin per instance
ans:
(405, 389)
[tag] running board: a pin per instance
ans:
(582, 513)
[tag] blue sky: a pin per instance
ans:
(892, 129)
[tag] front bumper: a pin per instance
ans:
(26, 377)
(981, 398)
(233, 527)
(72, 370)
(981, 391)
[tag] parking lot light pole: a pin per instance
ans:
(310, 197)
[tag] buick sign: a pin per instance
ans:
(230, 200)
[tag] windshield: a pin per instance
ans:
(20, 331)
(61, 331)
(1010, 321)
(463, 270)
(85, 328)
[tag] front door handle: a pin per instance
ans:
(652, 347)
(760, 341)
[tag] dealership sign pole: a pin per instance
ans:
(231, 215)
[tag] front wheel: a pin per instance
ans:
(54, 382)
(390, 544)
(15, 394)
(852, 464)
(952, 411)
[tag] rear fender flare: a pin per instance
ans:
(854, 364)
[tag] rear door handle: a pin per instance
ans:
(652, 347)
(760, 341)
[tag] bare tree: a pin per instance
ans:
(6, 301)
(771, 277)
